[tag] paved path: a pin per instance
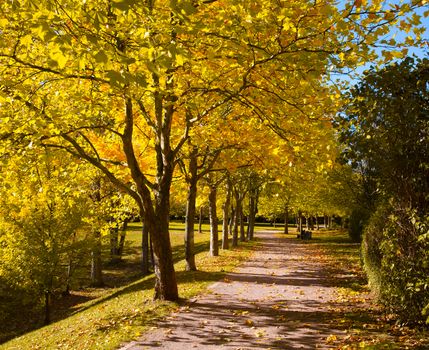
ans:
(279, 299)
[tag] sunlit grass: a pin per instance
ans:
(124, 313)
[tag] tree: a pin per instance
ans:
(385, 131)
(193, 172)
(41, 231)
(139, 75)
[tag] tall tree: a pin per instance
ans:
(141, 74)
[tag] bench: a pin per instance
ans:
(304, 234)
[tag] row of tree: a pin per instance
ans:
(56, 211)
(136, 89)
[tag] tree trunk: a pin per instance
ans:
(113, 232)
(165, 281)
(325, 221)
(300, 222)
(96, 264)
(189, 227)
(214, 234)
(47, 319)
(286, 230)
(310, 222)
(242, 231)
(232, 220)
(225, 224)
(252, 215)
(317, 223)
(122, 236)
(236, 223)
(151, 255)
(200, 220)
(155, 214)
(145, 249)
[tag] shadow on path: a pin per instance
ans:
(279, 299)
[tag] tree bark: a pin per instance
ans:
(252, 215)
(189, 227)
(236, 223)
(214, 234)
(225, 224)
(200, 220)
(242, 231)
(96, 263)
(122, 236)
(297, 220)
(145, 250)
(47, 319)
(190, 213)
(286, 229)
(231, 221)
(165, 281)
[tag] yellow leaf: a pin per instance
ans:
(249, 323)
(331, 339)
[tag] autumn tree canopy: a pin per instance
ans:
(120, 84)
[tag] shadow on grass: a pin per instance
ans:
(149, 282)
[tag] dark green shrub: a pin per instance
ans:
(371, 243)
(396, 258)
(405, 265)
(357, 221)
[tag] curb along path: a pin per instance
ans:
(279, 299)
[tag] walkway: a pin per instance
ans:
(279, 299)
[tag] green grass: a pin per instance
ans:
(124, 313)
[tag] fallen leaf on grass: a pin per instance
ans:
(331, 339)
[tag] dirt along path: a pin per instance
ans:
(280, 299)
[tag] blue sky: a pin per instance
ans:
(399, 36)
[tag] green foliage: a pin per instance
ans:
(405, 264)
(386, 130)
(396, 255)
(371, 251)
(357, 221)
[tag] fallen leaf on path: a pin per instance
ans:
(240, 312)
(331, 339)
(249, 323)
(260, 333)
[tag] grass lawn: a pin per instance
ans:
(125, 309)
